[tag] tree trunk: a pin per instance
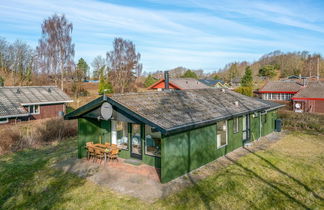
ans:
(62, 77)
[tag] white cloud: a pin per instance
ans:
(206, 36)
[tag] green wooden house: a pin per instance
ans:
(175, 131)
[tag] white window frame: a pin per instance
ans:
(145, 143)
(218, 146)
(236, 125)
(34, 113)
(114, 139)
(4, 122)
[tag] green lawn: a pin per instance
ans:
(290, 174)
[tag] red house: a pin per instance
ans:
(22, 103)
(310, 98)
(282, 90)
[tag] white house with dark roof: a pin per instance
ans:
(21, 103)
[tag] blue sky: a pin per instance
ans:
(196, 34)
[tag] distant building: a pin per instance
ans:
(22, 103)
(214, 83)
(310, 98)
(306, 96)
(282, 90)
(178, 84)
(236, 82)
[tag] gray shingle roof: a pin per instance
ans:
(211, 82)
(187, 83)
(312, 90)
(175, 109)
(281, 86)
(171, 111)
(12, 98)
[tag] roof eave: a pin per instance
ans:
(50, 102)
(16, 115)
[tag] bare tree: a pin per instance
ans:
(98, 65)
(123, 65)
(55, 49)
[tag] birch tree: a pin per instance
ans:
(123, 65)
(55, 49)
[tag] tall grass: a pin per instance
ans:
(35, 133)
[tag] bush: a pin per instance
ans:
(248, 91)
(302, 121)
(35, 133)
(149, 81)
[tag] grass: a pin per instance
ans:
(289, 174)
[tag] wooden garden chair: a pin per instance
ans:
(91, 152)
(99, 154)
(113, 155)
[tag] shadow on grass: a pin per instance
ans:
(270, 184)
(307, 188)
(28, 179)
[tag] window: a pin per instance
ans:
(33, 109)
(244, 128)
(119, 132)
(236, 125)
(152, 142)
(136, 139)
(221, 133)
(4, 120)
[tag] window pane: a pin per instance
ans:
(244, 123)
(236, 125)
(4, 120)
(120, 134)
(152, 142)
(36, 109)
(31, 109)
(136, 139)
(221, 133)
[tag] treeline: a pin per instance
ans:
(52, 61)
(276, 64)
(17, 59)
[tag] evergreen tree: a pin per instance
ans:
(83, 68)
(268, 71)
(104, 85)
(247, 79)
(149, 81)
(216, 77)
(190, 74)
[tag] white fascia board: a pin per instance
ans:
(17, 115)
(43, 103)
